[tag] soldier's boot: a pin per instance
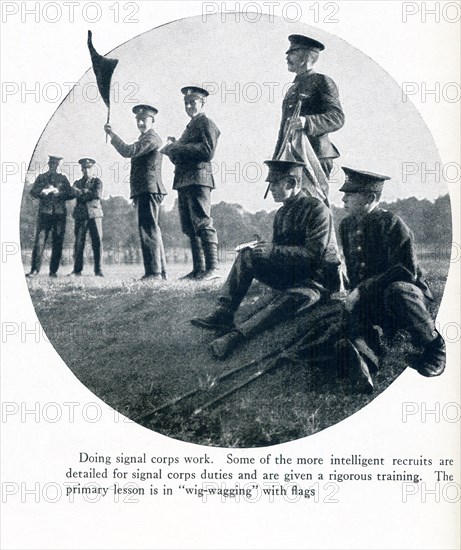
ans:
(211, 262)
(224, 346)
(198, 260)
(353, 366)
(222, 319)
(433, 359)
(97, 267)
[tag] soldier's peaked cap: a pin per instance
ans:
(195, 91)
(358, 181)
(54, 158)
(86, 162)
(301, 42)
(282, 168)
(143, 109)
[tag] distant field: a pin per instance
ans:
(131, 343)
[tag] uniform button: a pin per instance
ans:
(358, 232)
(362, 264)
(359, 248)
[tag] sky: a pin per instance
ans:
(243, 65)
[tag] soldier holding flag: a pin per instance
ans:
(146, 187)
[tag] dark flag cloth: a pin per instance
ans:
(103, 68)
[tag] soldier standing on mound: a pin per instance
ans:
(321, 111)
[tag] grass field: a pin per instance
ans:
(131, 343)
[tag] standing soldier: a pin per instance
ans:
(146, 187)
(52, 190)
(88, 217)
(311, 108)
(191, 154)
(321, 110)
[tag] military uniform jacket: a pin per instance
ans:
(302, 230)
(193, 151)
(146, 163)
(321, 108)
(88, 192)
(379, 250)
(53, 203)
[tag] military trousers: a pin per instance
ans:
(194, 203)
(288, 297)
(402, 306)
(153, 251)
(94, 228)
(46, 224)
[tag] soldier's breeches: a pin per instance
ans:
(94, 227)
(405, 306)
(239, 280)
(153, 252)
(194, 204)
(248, 267)
(401, 306)
(46, 223)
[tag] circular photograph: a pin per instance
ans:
(236, 232)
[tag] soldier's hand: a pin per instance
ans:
(108, 129)
(262, 250)
(352, 299)
(297, 123)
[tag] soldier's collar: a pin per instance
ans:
(368, 215)
(196, 117)
(294, 198)
(303, 75)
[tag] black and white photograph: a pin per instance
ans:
(230, 267)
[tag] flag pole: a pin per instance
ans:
(108, 118)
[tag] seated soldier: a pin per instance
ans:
(293, 263)
(388, 287)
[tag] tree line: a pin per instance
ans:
(429, 221)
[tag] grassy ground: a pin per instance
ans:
(132, 344)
